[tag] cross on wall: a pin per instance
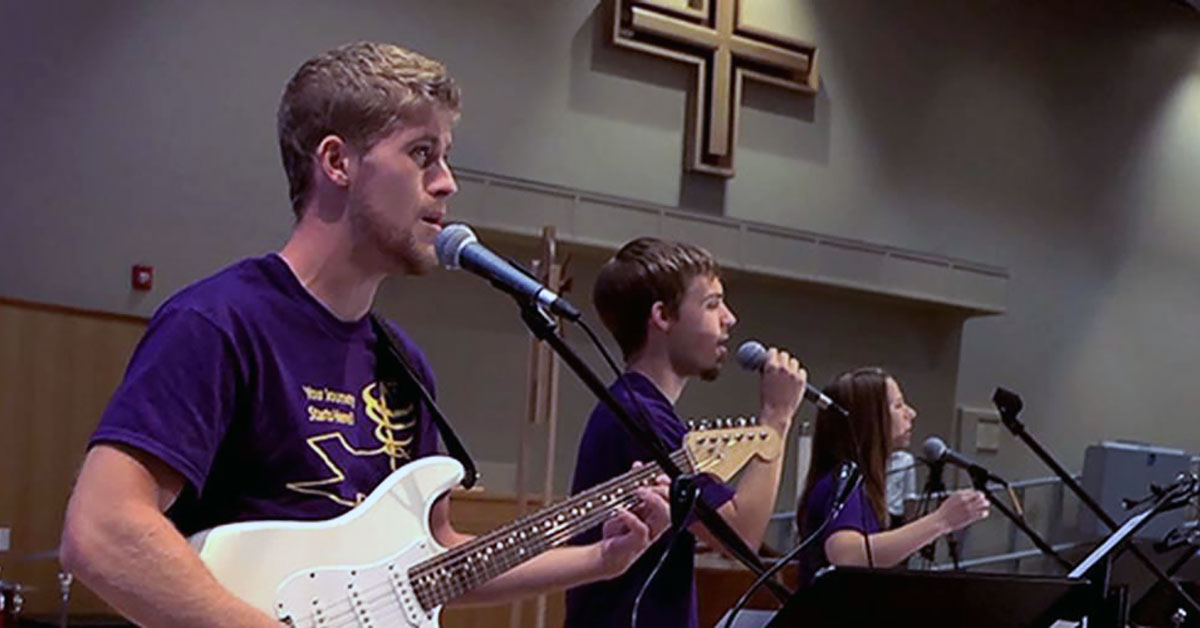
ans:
(710, 35)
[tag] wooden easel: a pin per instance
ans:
(541, 409)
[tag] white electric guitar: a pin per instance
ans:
(379, 565)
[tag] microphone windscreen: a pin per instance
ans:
(450, 243)
(752, 355)
(935, 449)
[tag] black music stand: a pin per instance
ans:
(852, 596)
(1159, 606)
(1113, 609)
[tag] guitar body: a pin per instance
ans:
(350, 570)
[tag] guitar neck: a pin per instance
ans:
(462, 568)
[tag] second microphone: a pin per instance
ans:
(752, 355)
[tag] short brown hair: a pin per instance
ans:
(643, 272)
(360, 92)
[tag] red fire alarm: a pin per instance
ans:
(142, 277)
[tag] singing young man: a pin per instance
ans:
(665, 305)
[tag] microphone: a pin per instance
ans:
(457, 247)
(845, 478)
(752, 355)
(936, 450)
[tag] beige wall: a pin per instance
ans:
(1057, 139)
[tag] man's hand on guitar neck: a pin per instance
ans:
(630, 532)
(626, 536)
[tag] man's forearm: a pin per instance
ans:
(754, 501)
(143, 567)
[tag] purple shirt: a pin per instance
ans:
(857, 514)
(265, 402)
(605, 451)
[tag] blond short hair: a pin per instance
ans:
(360, 92)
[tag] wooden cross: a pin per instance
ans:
(710, 35)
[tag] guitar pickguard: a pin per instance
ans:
(371, 595)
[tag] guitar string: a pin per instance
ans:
(345, 610)
(384, 591)
(559, 534)
(528, 521)
(377, 593)
(680, 457)
(549, 537)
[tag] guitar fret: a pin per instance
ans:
(462, 569)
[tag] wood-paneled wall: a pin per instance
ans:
(58, 367)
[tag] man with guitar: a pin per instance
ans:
(665, 305)
(259, 393)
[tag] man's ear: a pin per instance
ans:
(335, 160)
(660, 319)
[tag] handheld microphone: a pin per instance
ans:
(936, 450)
(752, 355)
(457, 247)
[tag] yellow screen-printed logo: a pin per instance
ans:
(393, 433)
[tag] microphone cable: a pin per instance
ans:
(786, 558)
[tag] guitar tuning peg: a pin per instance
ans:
(753, 420)
(741, 421)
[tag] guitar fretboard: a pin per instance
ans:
(462, 568)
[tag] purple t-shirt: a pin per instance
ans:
(266, 403)
(605, 451)
(857, 514)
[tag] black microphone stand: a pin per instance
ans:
(543, 328)
(1009, 405)
(934, 486)
(979, 479)
(1183, 539)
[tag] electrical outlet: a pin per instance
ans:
(987, 434)
(978, 429)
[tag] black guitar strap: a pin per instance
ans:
(387, 350)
